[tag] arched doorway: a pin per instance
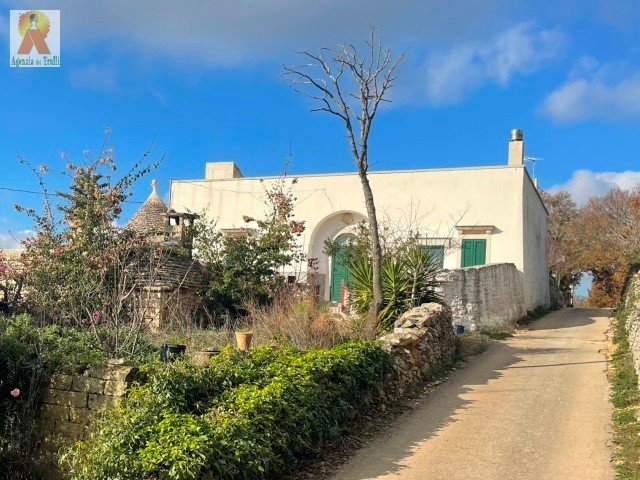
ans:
(329, 228)
(339, 269)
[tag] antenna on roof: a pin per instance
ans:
(533, 160)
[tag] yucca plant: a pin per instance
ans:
(396, 291)
(360, 283)
(423, 266)
(408, 280)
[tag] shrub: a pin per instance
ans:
(239, 416)
(248, 267)
(28, 354)
(298, 319)
(408, 280)
(294, 318)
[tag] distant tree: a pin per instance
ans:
(608, 233)
(562, 240)
(351, 87)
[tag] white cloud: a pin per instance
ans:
(584, 184)
(13, 239)
(94, 77)
(517, 51)
(606, 91)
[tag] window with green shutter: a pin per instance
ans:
(474, 252)
(437, 254)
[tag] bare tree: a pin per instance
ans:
(352, 87)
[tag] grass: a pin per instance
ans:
(532, 315)
(468, 345)
(496, 333)
(625, 397)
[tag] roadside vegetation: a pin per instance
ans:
(625, 397)
(28, 354)
(240, 416)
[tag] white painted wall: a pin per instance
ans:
(439, 198)
(535, 262)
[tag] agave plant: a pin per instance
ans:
(408, 280)
(396, 291)
(423, 267)
(360, 283)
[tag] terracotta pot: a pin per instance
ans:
(243, 339)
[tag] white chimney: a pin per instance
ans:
(222, 171)
(516, 148)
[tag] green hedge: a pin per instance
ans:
(239, 416)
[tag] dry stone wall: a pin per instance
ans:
(71, 402)
(484, 296)
(422, 344)
(632, 307)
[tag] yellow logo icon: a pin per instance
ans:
(33, 27)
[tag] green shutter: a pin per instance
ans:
(437, 254)
(467, 253)
(474, 252)
(480, 254)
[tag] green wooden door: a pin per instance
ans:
(339, 271)
(474, 252)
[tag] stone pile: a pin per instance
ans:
(422, 344)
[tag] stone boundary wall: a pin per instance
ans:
(484, 296)
(632, 307)
(421, 346)
(71, 401)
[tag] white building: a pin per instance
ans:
(474, 216)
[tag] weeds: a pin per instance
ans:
(535, 314)
(496, 333)
(294, 319)
(625, 398)
(468, 345)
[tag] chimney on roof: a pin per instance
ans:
(516, 148)
(222, 171)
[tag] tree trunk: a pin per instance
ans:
(376, 253)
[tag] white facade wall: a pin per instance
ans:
(535, 227)
(433, 201)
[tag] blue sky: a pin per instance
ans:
(201, 81)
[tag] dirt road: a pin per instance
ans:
(532, 407)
